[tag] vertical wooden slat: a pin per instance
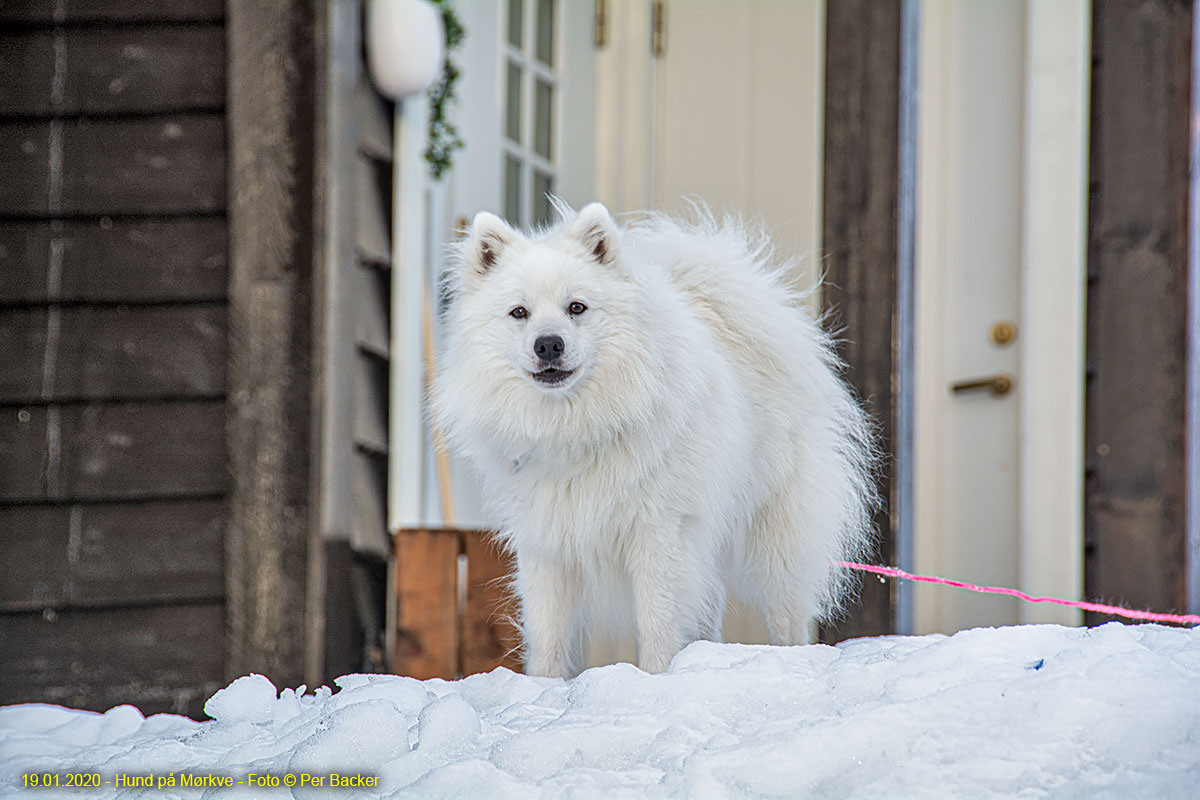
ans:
(1136, 542)
(426, 585)
(860, 241)
(490, 635)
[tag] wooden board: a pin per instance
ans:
(341, 639)
(73, 12)
(490, 636)
(59, 556)
(371, 379)
(113, 261)
(1136, 542)
(862, 112)
(128, 70)
(375, 114)
(373, 215)
(272, 121)
(24, 456)
(112, 353)
(373, 318)
(427, 633)
(158, 165)
(368, 516)
(168, 658)
(118, 451)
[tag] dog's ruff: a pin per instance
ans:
(655, 417)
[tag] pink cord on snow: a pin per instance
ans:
(892, 572)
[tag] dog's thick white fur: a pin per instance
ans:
(655, 418)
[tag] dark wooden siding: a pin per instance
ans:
(1136, 542)
(113, 464)
(861, 244)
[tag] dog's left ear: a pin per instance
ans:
(596, 230)
(489, 237)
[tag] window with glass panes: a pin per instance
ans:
(531, 87)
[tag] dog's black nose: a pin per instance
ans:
(548, 348)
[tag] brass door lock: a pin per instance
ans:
(1002, 333)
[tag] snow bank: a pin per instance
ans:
(1038, 711)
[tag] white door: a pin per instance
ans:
(729, 111)
(1001, 171)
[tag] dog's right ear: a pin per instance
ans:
(595, 230)
(489, 237)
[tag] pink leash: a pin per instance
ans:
(892, 572)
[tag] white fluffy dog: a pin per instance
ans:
(655, 418)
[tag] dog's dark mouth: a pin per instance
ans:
(552, 376)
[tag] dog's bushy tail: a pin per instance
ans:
(838, 474)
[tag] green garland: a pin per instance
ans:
(443, 135)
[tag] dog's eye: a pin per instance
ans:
(576, 308)
(519, 313)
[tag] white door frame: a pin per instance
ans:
(1053, 303)
(1051, 275)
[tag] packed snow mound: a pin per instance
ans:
(1036, 711)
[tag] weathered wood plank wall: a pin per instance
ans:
(113, 465)
(861, 241)
(1135, 535)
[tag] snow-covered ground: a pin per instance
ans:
(1039, 711)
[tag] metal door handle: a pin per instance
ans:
(996, 384)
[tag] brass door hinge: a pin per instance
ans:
(600, 23)
(658, 28)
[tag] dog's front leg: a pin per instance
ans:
(549, 596)
(661, 592)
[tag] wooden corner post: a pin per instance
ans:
(270, 133)
(861, 240)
